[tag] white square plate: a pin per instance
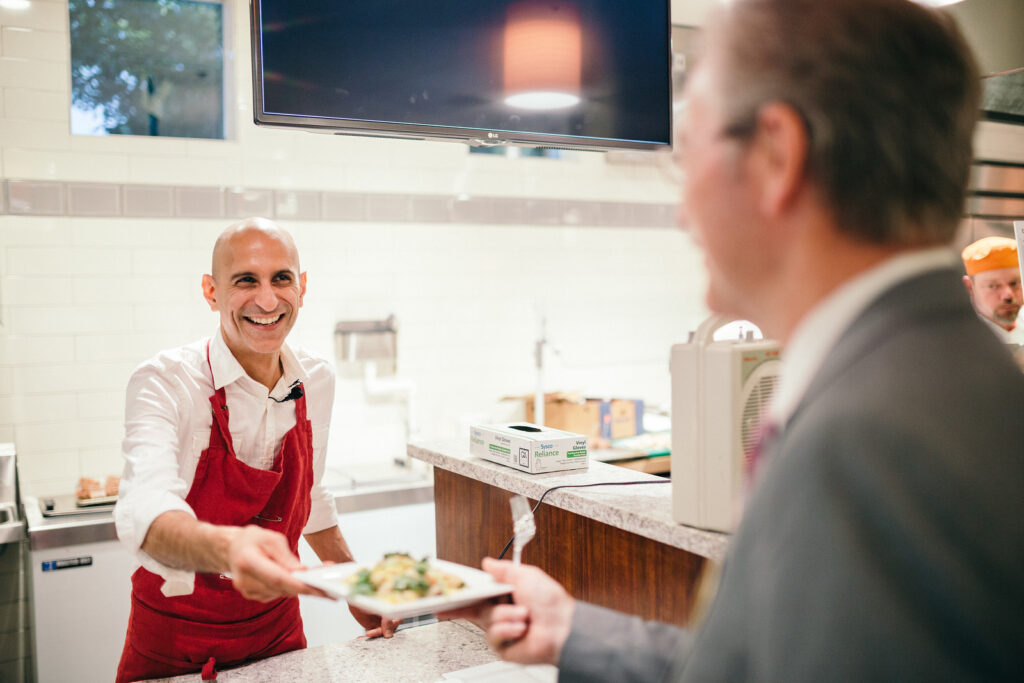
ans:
(479, 586)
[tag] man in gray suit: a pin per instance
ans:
(826, 148)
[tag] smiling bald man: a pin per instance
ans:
(224, 449)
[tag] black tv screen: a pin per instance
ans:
(588, 74)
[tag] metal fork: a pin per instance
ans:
(523, 527)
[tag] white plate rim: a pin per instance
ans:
(479, 586)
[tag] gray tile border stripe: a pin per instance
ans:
(50, 198)
(35, 198)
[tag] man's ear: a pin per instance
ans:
(302, 287)
(779, 151)
(210, 291)
(969, 284)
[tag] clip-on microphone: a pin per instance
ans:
(295, 393)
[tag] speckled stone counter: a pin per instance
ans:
(422, 654)
(642, 510)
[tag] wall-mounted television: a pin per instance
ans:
(580, 74)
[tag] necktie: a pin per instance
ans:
(768, 429)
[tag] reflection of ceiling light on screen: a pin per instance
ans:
(542, 100)
(542, 54)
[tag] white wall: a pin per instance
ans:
(85, 299)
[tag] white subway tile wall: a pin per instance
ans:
(77, 319)
(103, 241)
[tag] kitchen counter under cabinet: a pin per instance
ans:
(615, 546)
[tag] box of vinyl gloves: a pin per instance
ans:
(528, 447)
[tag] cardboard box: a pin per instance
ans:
(572, 414)
(528, 447)
(595, 418)
(627, 418)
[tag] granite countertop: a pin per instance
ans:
(642, 510)
(419, 654)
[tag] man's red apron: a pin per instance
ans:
(215, 625)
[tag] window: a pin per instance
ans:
(147, 67)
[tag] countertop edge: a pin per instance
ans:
(594, 503)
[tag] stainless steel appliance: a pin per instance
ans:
(81, 588)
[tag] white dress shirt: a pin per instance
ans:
(167, 427)
(820, 330)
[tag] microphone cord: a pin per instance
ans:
(579, 486)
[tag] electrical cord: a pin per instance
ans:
(579, 486)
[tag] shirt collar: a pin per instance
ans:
(227, 369)
(821, 328)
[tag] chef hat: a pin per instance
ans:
(990, 253)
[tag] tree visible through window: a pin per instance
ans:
(147, 67)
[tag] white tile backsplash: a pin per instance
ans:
(134, 345)
(59, 434)
(36, 290)
(154, 232)
(87, 375)
(151, 289)
(38, 408)
(18, 72)
(102, 262)
(39, 14)
(39, 261)
(46, 320)
(161, 317)
(25, 103)
(25, 350)
(62, 377)
(36, 133)
(170, 261)
(175, 169)
(99, 433)
(134, 145)
(99, 463)
(31, 163)
(47, 472)
(100, 404)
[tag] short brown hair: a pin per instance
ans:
(889, 92)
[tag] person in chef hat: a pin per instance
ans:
(993, 281)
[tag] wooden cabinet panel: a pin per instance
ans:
(594, 561)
